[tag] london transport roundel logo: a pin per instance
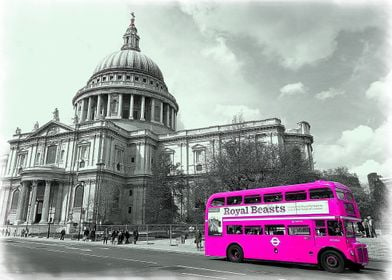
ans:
(275, 241)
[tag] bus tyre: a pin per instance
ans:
(235, 253)
(332, 261)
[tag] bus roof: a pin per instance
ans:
(296, 187)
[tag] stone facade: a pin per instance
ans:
(96, 170)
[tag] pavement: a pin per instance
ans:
(379, 257)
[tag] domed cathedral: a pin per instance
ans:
(96, 170)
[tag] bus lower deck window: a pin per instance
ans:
(275, 230)
(334, 228)
(253, 230)
(299, 230)
(234, 229)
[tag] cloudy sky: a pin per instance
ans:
(324, 62)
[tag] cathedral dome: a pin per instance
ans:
(131, 60)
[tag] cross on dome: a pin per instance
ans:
(131, 39)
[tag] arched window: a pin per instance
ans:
(15, 198)
(78, 199)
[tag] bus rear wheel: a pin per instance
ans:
(235, 253)
(332, 261)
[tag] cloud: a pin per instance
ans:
(292, 89)
(222, 54)
(330, 93)
(305, 33)
(378, 91)
(370, 166)
(360, 149)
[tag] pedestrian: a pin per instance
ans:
(92, 235)
(15, 232)
(113, 236)
(120, 237)
(105, 236)
(372, 227)
(62, 234)
(127, 235)
(22, 234)
(135, 236)
(366, 227)
(198, 239)
(27, 232)
(85, 234)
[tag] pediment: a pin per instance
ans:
(51, 128)
(198, 147)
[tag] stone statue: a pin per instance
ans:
(18, 131)
(36, 125)
(75, 119)
(56, 115)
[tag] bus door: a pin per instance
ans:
(302, 242)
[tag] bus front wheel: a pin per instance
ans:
(235, 253)
(332, 261)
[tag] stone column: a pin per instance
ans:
(161, 115)
(131, 101)
(57, 211)
(64, 210)
(82, 111)
(88, 117)
(45, 206)
(98, 113)
(142, 109)
(172, 121)
(152, 109)
(168, 115)
(120, 103)
(33, 202)
(21, 203)
(108, 106)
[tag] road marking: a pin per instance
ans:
(207, 269)
(201, 275)
(115, 258)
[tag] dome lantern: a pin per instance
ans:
(131, 39)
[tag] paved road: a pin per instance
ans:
(40, 259)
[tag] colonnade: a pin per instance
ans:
(126, 106)
(32, 207)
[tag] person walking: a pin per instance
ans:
(366, 227)
(372, 227)
(135, 236)
(62, 234)
(127, 235)
(105, 236)
(85, 234)
(198, 239)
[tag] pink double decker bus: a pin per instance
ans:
(312, 223)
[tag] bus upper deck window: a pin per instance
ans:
(252, 199)
(233, 200)
(340, 194)
(220, 201)
(320, 193)
(300, 195)
(272, 197)
(349, 196)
